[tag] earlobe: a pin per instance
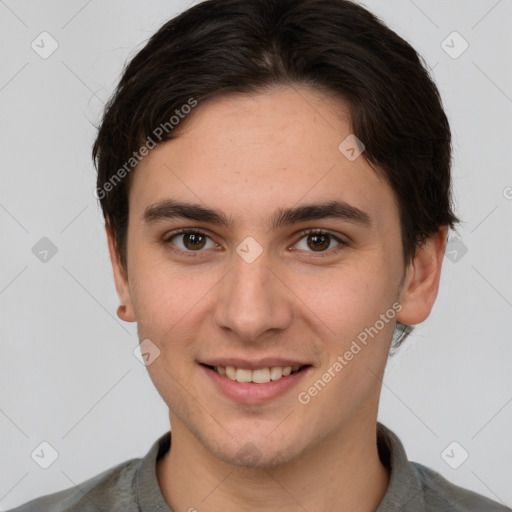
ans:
(421, 283)
(125, 311)
(121, 311)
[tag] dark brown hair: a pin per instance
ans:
(247, 46)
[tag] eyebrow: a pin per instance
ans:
(171, 209)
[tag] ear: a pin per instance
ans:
(421, 282)
(125, 313)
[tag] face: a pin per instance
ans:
(263, 282)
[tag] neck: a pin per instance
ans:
(343, 468)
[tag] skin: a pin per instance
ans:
(249, 156)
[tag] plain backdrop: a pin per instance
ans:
(68, 373)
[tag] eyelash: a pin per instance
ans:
(190, 254)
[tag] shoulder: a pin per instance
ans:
(111, 490)
(441, 495)
(414, 487)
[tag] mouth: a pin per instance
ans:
(260, 384)
(258, 375)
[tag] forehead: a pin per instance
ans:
(249, 155)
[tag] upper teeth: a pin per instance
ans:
(260, 376)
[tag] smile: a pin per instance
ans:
(258, 376)
(257, 385)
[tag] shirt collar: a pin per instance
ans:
(405, 488)
(149, 494)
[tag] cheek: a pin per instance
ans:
(159, 291)
(170, 302)
(166, 307)
(346, 299)
(349, 304)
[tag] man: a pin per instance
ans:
(275, 180)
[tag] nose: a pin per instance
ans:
(253, 299)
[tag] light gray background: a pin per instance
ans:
(67, 371)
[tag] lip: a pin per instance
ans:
(252, 393)
(255, 364)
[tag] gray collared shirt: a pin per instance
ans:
(132, 486)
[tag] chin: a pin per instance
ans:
(251, 457)
(255, 451)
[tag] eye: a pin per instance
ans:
(318, 241)
(191, 240)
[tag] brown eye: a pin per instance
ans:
(187, 241)
(193, 241)
(318, 241)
